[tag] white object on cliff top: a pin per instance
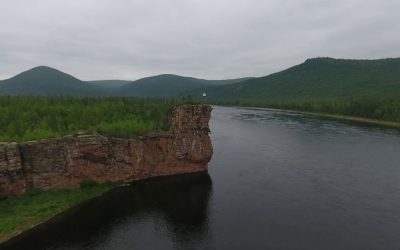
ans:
(204, 94)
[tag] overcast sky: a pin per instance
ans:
(211, 39)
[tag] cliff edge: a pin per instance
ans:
(65, 162)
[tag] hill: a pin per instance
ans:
(43, 81)
(108, 84)
(229, 81)
(361, 88)
(167, 85)
(319, 77)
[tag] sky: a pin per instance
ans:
(209, 39)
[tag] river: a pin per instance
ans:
(276, 181)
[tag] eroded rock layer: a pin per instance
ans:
(65, 162)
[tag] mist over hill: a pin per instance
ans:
(108, 84)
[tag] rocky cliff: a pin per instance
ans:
(65, 162)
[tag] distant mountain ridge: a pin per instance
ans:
(317, 77)
(158, 86)
(167, 85)
(43, 81)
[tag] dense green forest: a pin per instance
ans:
(30, 118)
(362, 88)
(319, 77)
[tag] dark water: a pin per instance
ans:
(276, 181)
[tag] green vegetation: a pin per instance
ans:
(31, 118)
(27, 118)
(320, 77)
(167, 86)
(159, 86)
(18, 214)
(361, 88)
(43, 81)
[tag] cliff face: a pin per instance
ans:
(65, 162)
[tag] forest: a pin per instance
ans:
(361, 88)
(317, 78)
(33, 118)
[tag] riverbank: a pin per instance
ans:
(380, 123)
(18, 214)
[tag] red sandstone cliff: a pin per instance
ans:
(65, 162)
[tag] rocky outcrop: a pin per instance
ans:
(65, 162)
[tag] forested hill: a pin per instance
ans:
(167, 85)
(43, 81)
(361, 88)
(319, 77)
(108, 84)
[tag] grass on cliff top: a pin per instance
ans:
(18, 214)
(35, 118)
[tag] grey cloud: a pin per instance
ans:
(99, 39)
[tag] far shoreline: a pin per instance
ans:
(382, 123)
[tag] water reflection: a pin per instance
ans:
(177, 206)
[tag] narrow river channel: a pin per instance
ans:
(276, 181)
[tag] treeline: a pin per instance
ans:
(386, 108)
(32, 118)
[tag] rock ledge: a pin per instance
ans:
(64, 162)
